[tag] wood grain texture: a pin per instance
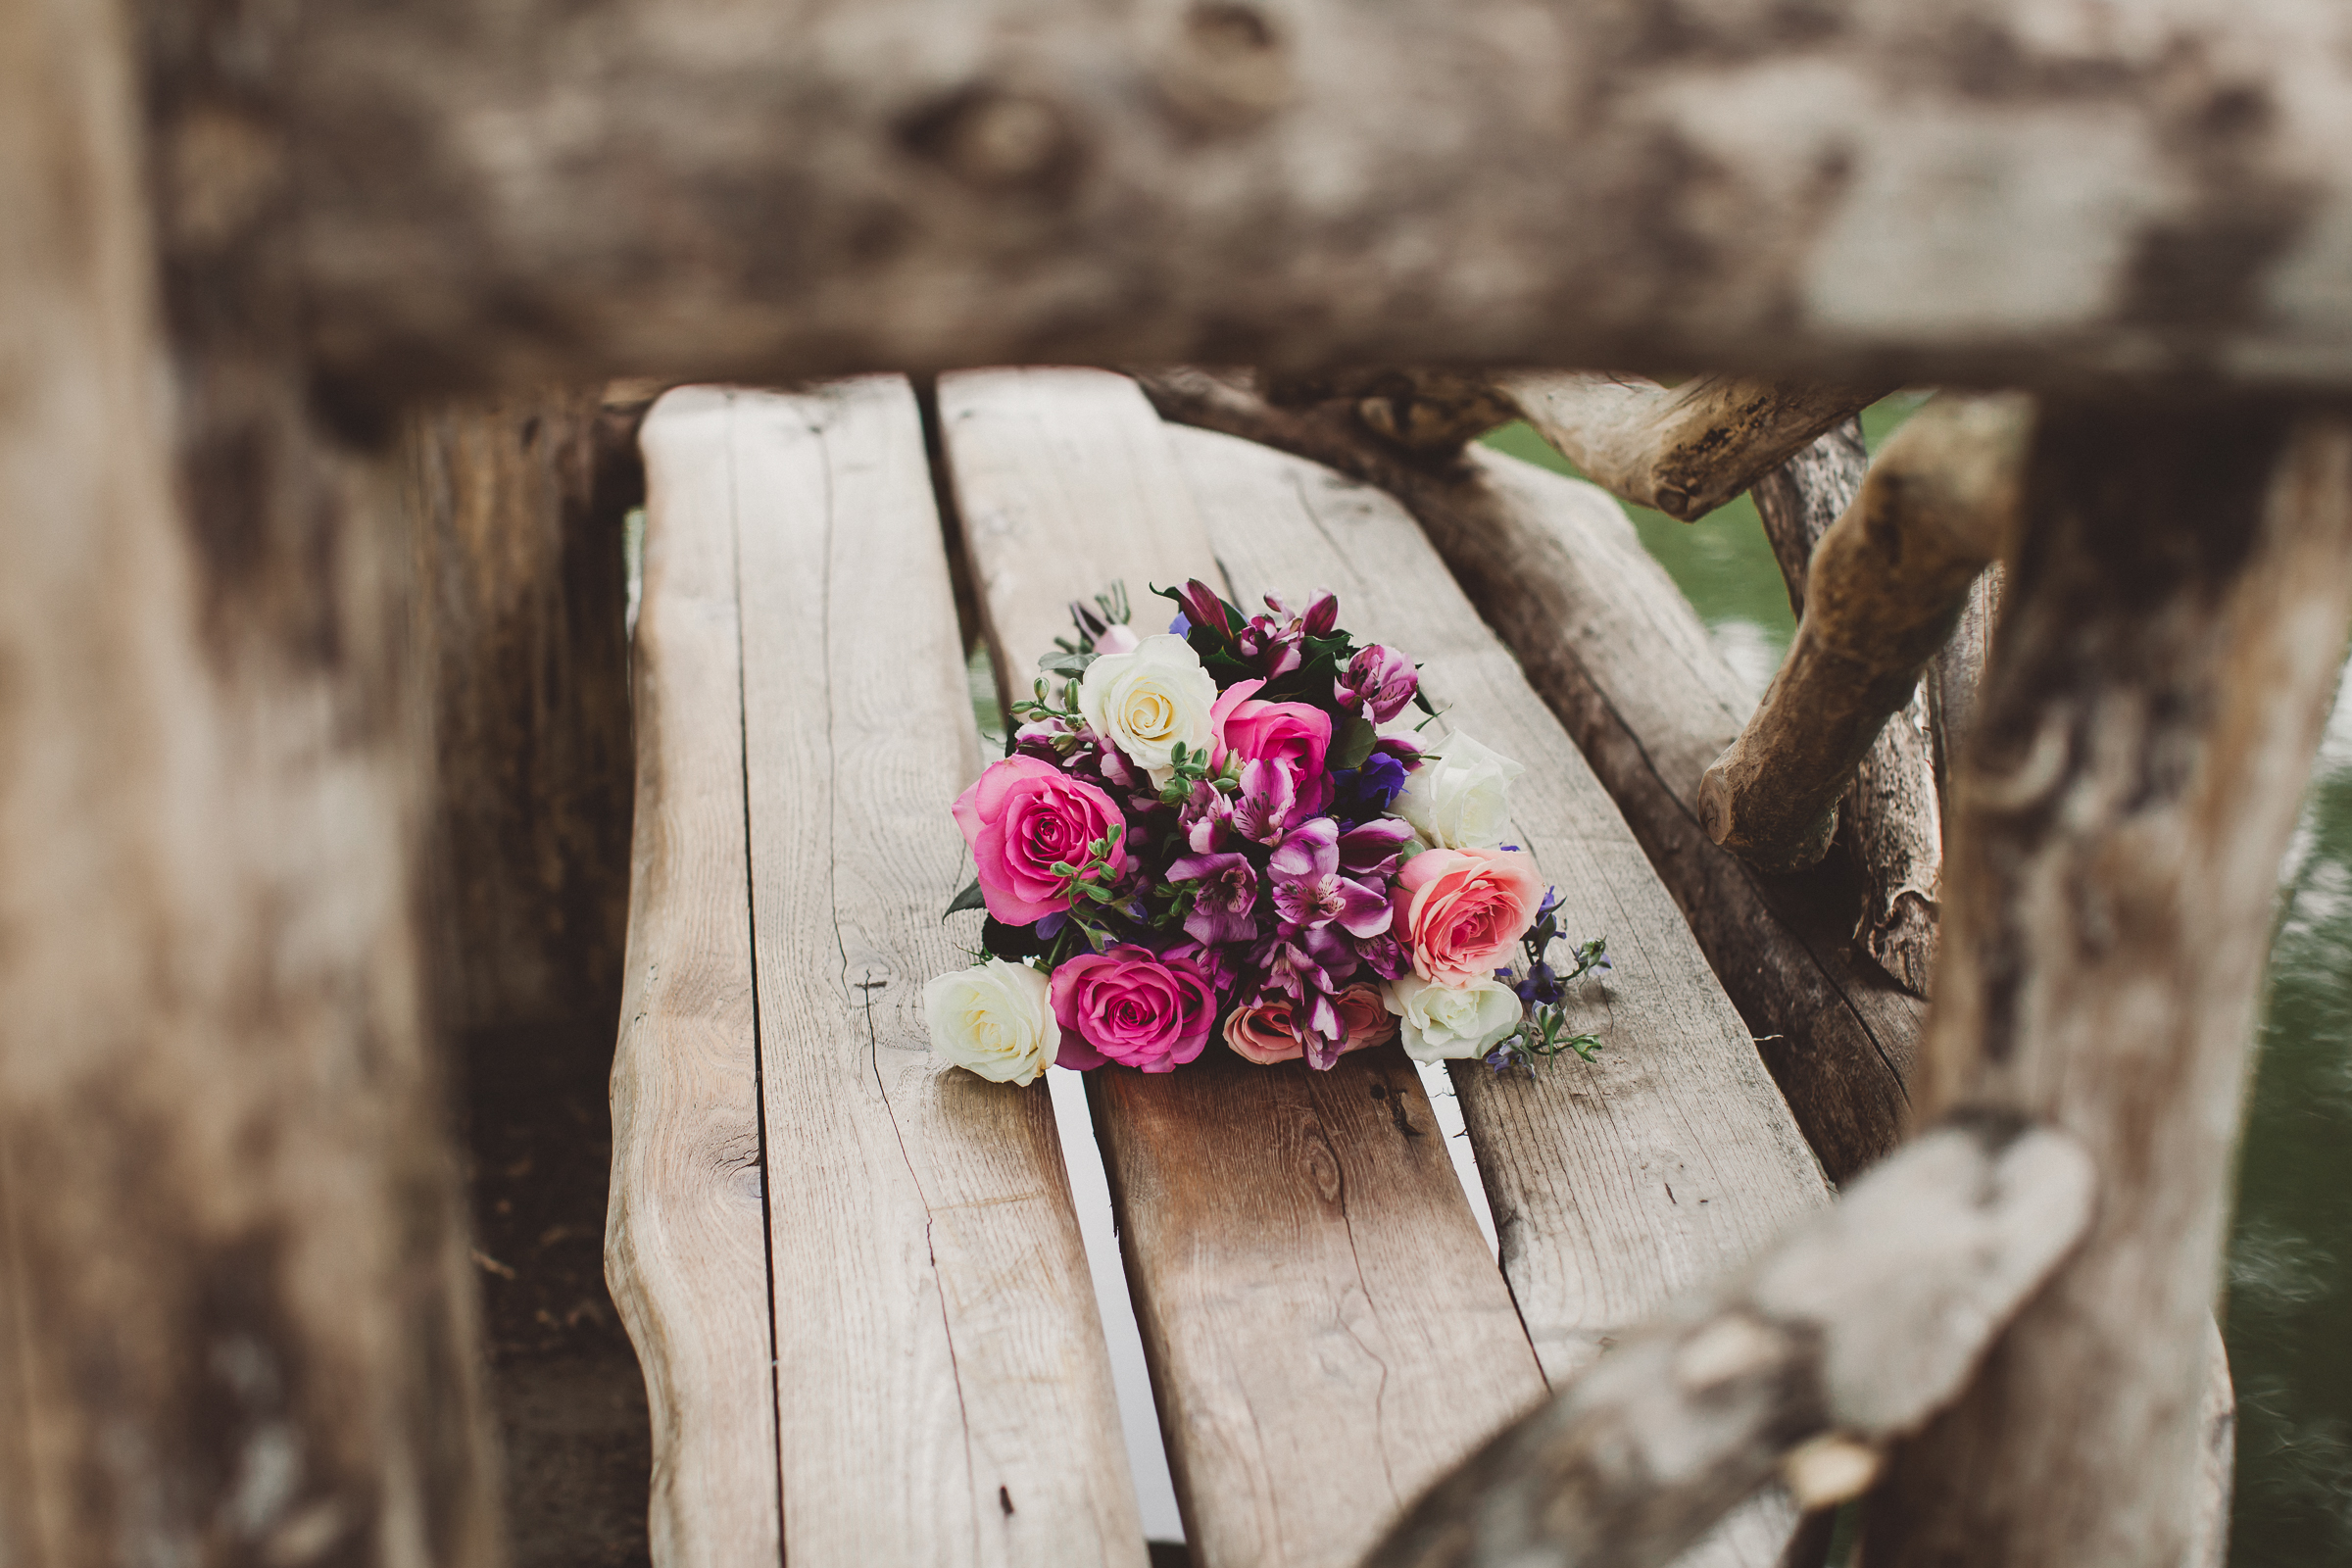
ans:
(519, 509)
(1618, 653)
(943, 1390)
(2173, 625)
(1890, 818)
(1326, 1330)
(1581, 1164)
(1851, 190)
(1617, 1183)
(240, 1320)
(1885, 585)
(1850, 1331)
(685, 1240)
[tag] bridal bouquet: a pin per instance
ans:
(1221, 830)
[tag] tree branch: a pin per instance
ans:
(1885, 585)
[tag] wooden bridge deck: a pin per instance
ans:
(896, 1357)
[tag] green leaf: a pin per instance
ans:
(970, 898)
(1353, 743)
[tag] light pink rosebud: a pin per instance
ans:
(1115, 639)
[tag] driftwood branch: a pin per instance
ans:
(1852, 1330)
(1885, 586)
(2174, 622)
(552, 190)
(1891, 814)
(1618, 653)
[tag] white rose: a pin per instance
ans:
(1460, 797)
(1444, 1022)
(994, 1019)
(1147, 701)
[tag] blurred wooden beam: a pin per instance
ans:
(547, 190)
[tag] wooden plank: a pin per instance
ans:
(1673, 1156)
(685, 1248)
(1617, 1183)
(1326, 1330)
(944, 1393)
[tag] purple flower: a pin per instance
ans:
(1205, 820)
(1266, 801)
(1226, 894)
(1370, 851)
(1273, 640)
(1310, 969)
(1310, 890)
(1203, 607)
(1383, 955)
(1379, 681)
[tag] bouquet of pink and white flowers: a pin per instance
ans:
(1223, 830)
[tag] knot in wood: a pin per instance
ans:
(996, 138)
(1228, 67)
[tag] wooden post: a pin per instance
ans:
(520, 504)
(2174, 620)
(240, 1315)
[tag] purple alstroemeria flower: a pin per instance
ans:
(1377, 683)
(1273, 640)
(1369, 852)
(1203, 607)
(1205, 820)
(1310, 890)
(1223, 902)
(1266, 799)
(1310, 967)
(1383, 955)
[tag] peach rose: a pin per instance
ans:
(1263, 1030)
(1460, 910)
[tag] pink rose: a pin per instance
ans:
(1019, 818)
(1128, 1005)
(1459, 910)
(1294, 737)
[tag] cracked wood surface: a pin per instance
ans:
(1326, 1329)
(1982, 191)
(941, 1392)
(685, 1246)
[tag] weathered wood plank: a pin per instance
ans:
(1326, 1330)
(943, 1390)
(240, 1321)
(1839, 189)
(1617, 1183)
(685, 1244)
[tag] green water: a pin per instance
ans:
(2287, 1313)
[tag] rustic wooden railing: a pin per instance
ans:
(246, 244)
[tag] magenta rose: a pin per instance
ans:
(1294, 737)
(1020, 817)
(1129, 1005)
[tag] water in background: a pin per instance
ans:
(2288, 1313)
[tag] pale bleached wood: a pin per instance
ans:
(943, 1390)
(1684, 450)
(1972, 192)
(240, 1324)
(2173, 626)
(685, 1240)
(1851, 1331)
(1609, 642)
(1326, 1329)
